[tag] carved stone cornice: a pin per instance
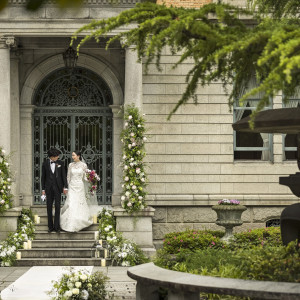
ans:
(7, 42)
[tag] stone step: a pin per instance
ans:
(30, 262)
(44, 227)
(60, 253)
(81, 235)
(63, 243)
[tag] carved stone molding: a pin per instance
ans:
(7, 42)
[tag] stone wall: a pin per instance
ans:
(190, 158)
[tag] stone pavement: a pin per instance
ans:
(120, 284)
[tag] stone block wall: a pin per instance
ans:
(190, 158)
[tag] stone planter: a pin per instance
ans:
(137, 227)
(229, 216)
(9, 221)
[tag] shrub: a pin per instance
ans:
(269, 236)
(192, 240)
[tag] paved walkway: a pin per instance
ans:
(120, 284)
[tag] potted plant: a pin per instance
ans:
(229, 213)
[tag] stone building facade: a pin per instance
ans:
(191, 158)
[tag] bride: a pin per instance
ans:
(75, 214)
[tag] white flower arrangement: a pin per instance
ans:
(14, 241)
(123, 252)
(133, 139)
(80, 285)
(5, 183)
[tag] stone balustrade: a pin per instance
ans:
(185, 286)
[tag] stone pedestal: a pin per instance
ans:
(137, 227)
(9, 222)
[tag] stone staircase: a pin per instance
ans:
(59, 249)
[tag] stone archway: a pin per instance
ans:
(26, 111)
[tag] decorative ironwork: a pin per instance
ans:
(68, 127)
(273, 223)
(70, 58)
(80, 87)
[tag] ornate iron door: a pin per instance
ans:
(86, 128)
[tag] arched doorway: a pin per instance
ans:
(72, 113)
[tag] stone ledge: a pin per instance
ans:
(12, 212)
(151, 277)
(121, 212)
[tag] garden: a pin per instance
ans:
(253, 255)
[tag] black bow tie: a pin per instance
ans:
(52, 162)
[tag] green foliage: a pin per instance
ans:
(80, 285)
(5, 183)
(192, 240)
(222, 47)
(281, 263)
(278, 8)
(263, 237)
(256, 254)
(133, 137)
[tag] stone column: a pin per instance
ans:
(117, 152)
(6, 43)
(133, 79)
(26, 169)
(15, 125)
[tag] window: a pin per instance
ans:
(251, 146)
(289, 141)
(273, 223)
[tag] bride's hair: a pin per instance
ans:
(78, 153)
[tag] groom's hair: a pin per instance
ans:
(52, 152)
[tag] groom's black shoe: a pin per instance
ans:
(50, 230)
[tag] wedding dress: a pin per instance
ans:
(75, 214)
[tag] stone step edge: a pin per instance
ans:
(61, 258)
(63, 240)
(57, 249)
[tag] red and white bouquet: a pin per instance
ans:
(92, 178)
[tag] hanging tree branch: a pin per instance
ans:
(223, 48)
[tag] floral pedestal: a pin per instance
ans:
(9, 221)
(137, 227)
(229, 216)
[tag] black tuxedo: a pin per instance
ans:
(53, 184)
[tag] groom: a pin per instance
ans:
(54, 182)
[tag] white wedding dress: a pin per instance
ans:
(75, 214)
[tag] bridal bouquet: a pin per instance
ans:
(92, 178)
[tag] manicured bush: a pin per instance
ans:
(269, 236)
(192, 240)
(256, 254)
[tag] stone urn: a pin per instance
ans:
(229, 216)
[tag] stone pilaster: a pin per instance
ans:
(6, 42)
(133, 79)
(117, 152)
(15, 125)
(26, 169)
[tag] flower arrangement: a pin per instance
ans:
(80, 285)
(134, 176)
(14, 241)
(123, 252)
(92, 178)
(5, 183)
(228, 202)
